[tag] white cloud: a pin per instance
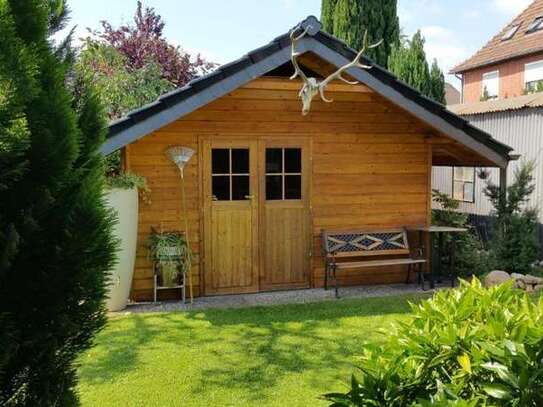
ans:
(511, 7)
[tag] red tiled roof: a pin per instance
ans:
(522, 43)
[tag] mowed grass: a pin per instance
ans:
(285, 355)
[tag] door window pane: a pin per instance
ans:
(240, 161)
(220, 161)
(221, 188)
(230, 174)
(240, 187)
(293, 160)
(274, 160)
(274, 187)
(283, 173)
(293, 187)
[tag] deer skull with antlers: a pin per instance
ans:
(313, 86)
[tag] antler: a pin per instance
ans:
(354, 63)
(294, 55)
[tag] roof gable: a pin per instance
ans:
(227, 78)
(521, 43)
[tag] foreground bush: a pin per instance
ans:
(467, 347)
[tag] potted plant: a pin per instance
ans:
(171, 255)
(122, 197)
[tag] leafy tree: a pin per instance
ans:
(408, 62)
(144, 42)
(350, 19)
(120, 87)
(514, 241)
(55, 231)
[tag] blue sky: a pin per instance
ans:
(224, 30)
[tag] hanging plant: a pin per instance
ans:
(170, 251)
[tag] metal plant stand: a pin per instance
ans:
(157, 287)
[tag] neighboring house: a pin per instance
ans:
(265, 180)
(508, 70)
(510, 64)
(517, 122)
(452, 95)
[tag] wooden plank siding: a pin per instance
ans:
(370, 161)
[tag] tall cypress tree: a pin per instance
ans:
(55, 231)
(437, 83)
(350, 19)
(408, 62)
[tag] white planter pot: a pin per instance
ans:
(125, 203)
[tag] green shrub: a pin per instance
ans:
(514, 244)
(128, 180)
(471, 257)
(467, 347)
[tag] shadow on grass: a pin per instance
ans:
(253, 350)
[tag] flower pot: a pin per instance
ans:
(125, 204)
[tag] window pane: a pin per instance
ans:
(491, 82)
(293, 160)
(240, 161)
(274, 160)
(221, 188)
(240, 187)
(220, 161)
(274, 187)
(458, 192)
(468, 191)
(293, 187)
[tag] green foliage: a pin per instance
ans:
(350, 19)
(471, 258)
(514, 244)
(408, 62)
(485, 96)
(466, 347)
(128, 180)
(437, 84)
(172, 252)
(55, 230)
(121, 89)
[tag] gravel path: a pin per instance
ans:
(279, 297)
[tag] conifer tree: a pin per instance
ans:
(437, 83)
(55, 230)
(350, 19)
(408, 62)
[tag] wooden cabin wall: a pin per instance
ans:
(371, 166)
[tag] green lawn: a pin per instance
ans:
(267, 356)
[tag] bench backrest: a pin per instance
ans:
(354, 243)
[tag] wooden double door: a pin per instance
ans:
(256, 220)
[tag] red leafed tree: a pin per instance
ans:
(143, 42)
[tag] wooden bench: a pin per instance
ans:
(353, 249)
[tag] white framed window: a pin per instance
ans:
(491, 85)
(535, 25)
(533, 76)
(464, 184)
(510, 32)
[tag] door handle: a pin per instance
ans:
(249, 196)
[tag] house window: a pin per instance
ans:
(491, 85)
(533, 76)
(283, 174)
(230, 174)
(535, 25)
(510, 32)
(464, 184)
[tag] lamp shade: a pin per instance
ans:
(180, 155)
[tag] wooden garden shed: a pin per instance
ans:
(265, 179)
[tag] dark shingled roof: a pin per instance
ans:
(200, 84)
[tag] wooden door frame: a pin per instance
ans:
(305, 143)
(205, 144)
